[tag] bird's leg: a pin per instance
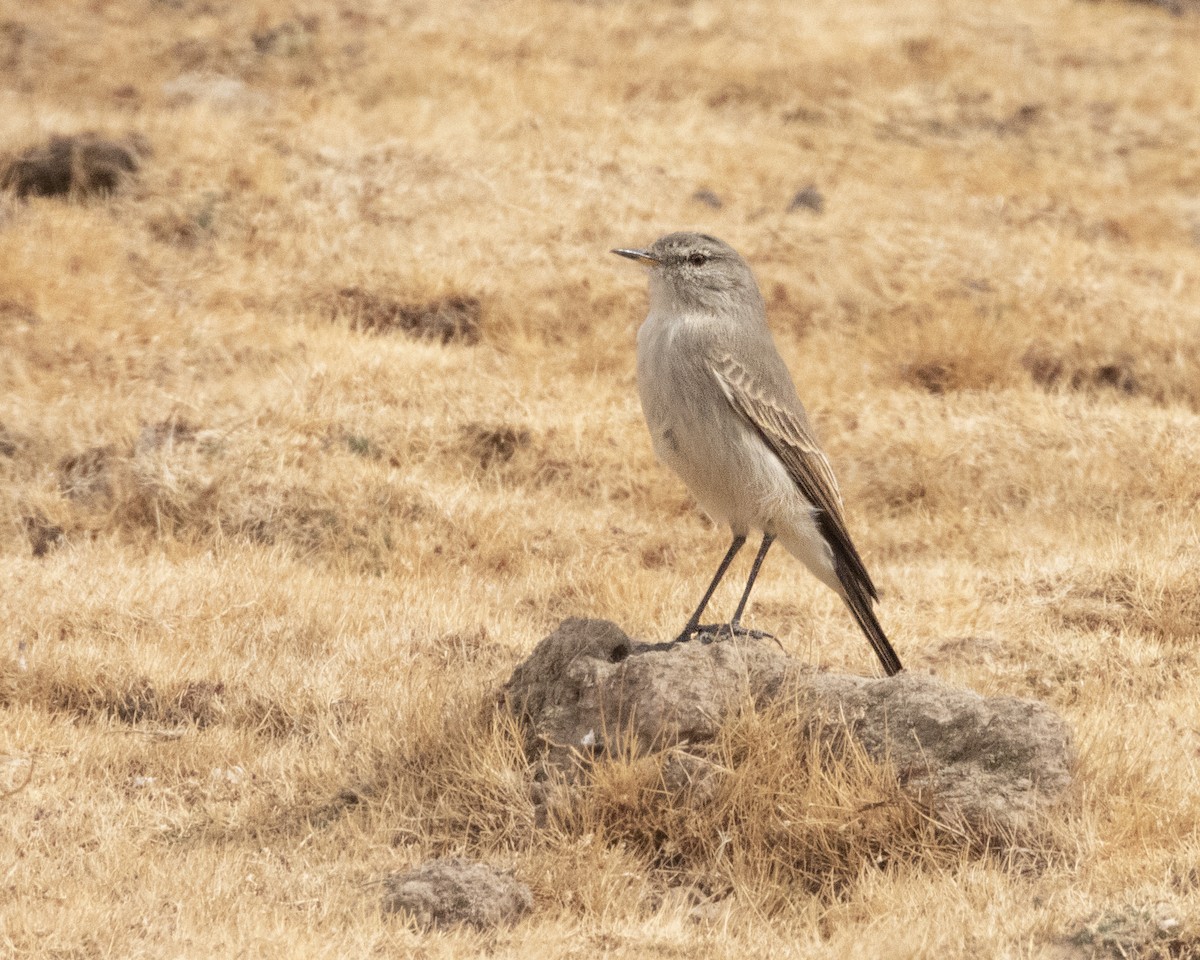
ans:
(735, 624)
(693, 624)
(734, 627)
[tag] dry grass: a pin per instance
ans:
(267, 554)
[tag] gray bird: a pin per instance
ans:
(723, 414)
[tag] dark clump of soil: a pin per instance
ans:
(97, 696)
(43, 535)
(1049, 369)
(1174, 7)
(453, 318)
(10, 442)
(15, 312)
(288, 38)
(80, 165)
(934, 377)
(493, 445)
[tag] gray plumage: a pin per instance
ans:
(723, 413)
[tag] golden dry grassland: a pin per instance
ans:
(264, 570)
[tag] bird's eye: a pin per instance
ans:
(697, 259)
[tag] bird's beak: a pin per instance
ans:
(642, 256)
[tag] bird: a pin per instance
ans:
(723, 413)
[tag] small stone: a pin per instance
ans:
(810, 198)
(455, 891)
(708, 198)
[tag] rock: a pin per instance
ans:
(988, 765)
(454, 891)
(708, 197)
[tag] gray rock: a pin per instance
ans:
(454, 891)
(989, 765)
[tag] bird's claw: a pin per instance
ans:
(713, 632)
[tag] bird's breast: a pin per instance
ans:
(692, 427)
(696, 432)
(675, 386)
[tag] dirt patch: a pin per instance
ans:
(15, 312)
(493, 445)
(10, 442)
(15, 39)
(287, 39)
(79, 165)
(1175, 7)
(94, 695)
(934, 377)
(453, 318)
(1050, 369)
(43, 535)
(138, 700)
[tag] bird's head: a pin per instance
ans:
(693, 271)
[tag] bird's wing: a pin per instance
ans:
(788, 435)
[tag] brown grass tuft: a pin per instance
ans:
(766, 810)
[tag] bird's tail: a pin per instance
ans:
(863, 610)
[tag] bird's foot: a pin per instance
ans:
(713, 632)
